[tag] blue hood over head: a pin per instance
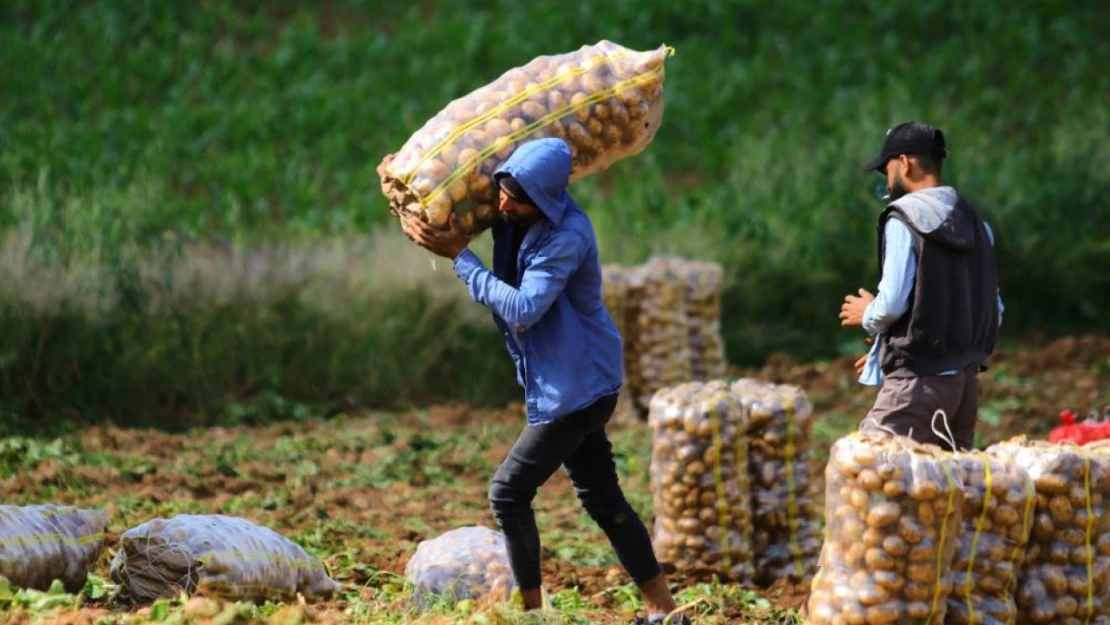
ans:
(542, 167)
(567, 350)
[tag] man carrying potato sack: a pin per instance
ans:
(545, 296)
(936, 317)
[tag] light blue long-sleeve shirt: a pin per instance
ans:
(893, 298)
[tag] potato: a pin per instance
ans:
(925, 552)
(704, 530)
(557, 100)
(459, 191)
(593, 82)
(870, 480)
(1052, 485)
(883, 615)
(872, 596)
(883, 514)
(877, 559)
(895, 546)
(874, 537)
(861, 501)
(910, 531)
(533, 111)
(581, 107)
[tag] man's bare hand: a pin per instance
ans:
(384, 164)
(446, 243)
(862, 362)
(851, 312)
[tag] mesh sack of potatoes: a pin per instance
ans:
(699, 485)
(614, 294)
(218, 556)
(703, 282)
(1066, 575)
(40, 544)
(997, 518)
(605, 100)
(893, 510)
(658, 352)
(785, 537)
(464, 563)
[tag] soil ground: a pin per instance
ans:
(360, 491)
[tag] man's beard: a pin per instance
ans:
(898, 190)
(520, 221)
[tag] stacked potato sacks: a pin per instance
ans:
(703, 282)
(698, 475)
(893, 512)
(218, 556)
(658, 353)
(1066, 576)
(465, 563)
(605, 100)
(784, 505)
(614, 293)
(40, 544)
(997, 519)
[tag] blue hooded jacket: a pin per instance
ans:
(567, 350)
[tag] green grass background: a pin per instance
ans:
(192, 230)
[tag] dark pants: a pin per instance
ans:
(579, 443)
(907, 406)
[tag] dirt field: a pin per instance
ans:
(361, 491)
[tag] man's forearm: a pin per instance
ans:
(880, 315)
(899, 268)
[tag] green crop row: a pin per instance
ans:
(146, 145)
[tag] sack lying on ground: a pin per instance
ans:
(218, 556)
(699, 481)
(893, 512)
(465, 563)
(1066, 575)
(39, 544)
(997, 518)
(605, 100)
(784, 504)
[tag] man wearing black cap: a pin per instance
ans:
(935, 319)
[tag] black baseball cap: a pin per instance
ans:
(910, 138)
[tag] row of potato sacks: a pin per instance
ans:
(668, 312)
(212, 555)
(730, 476)
(604, 100)
(1015, 534)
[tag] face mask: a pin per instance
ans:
(881, 192)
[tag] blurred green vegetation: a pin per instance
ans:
(191, 219)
